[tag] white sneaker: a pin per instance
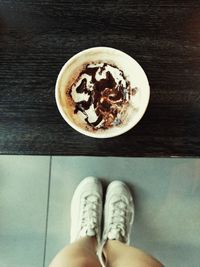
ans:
(118, 213)
(86, 209)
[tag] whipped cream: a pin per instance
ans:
(101, 95)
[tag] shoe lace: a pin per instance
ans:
(118, 225)
(89, 215)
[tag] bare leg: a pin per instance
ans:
(118, 254)
(81, 253)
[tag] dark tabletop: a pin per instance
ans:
(38, 37)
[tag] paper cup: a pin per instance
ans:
(133, 73)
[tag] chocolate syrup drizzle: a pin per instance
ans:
(108, 97)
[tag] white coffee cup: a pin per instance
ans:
(133, 73)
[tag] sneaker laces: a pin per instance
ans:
(117, 227)
(89, 215)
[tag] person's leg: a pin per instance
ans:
(118, 219)
(118, 254)
(86, 213)
(81, 253)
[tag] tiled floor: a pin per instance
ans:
(23, 208)
(35, 194)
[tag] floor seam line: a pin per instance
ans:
(47, 211)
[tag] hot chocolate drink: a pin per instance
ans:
(100, 96)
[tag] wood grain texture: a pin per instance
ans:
(38, 37)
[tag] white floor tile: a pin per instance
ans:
(23, 206)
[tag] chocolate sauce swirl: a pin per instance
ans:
(101, 93)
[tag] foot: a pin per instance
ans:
(86, 209)
(118, 213)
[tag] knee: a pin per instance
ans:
(68, 258)
(147, 263)
(85, 262)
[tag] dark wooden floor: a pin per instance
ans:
(38, 37)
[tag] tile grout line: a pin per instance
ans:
(47, 211)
